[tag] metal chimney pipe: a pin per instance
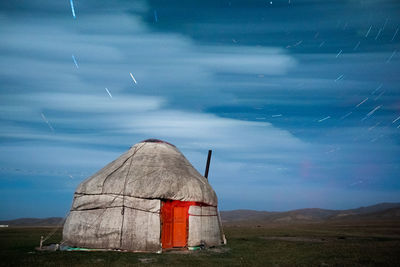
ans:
(208, 163)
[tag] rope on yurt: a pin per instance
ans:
(220, 227)
(89, 226)
(123, 199)
(42, 240)
(55, 229)
(108, 204)
(102, 186)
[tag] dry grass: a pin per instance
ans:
(355, 244)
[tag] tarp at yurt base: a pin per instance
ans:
(149, 199)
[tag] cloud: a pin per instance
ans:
(81, 103)
(199, 89)
(75, 99)
(246, 60)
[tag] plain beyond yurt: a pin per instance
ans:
(149, 199)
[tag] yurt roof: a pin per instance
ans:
(151, 169)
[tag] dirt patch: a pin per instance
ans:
(222, 249)
(147, 260)
(296, 239)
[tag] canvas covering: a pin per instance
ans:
(204, 227)
(151, 170)
(119, 206)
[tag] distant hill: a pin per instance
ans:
(376, 208)
(387, 214)
(52, 221)
(382, 211)
(240, 215)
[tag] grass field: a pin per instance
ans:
(355, 244)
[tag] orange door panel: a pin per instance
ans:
(167, 225)
(179, 228)
(174, 218)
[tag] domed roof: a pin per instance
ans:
(151, 169)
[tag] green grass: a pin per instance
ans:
(302, 245)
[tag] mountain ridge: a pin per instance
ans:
(380, 211)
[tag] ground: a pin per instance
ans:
(355, 244)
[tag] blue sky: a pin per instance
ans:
(299, 99)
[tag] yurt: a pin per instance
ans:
(150, 199)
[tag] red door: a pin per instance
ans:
(179, 228)
(174, 216)
(167, 224)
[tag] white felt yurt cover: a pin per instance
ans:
(119, 206)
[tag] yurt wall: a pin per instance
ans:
(150, 198)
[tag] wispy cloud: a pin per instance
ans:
(254, 92)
